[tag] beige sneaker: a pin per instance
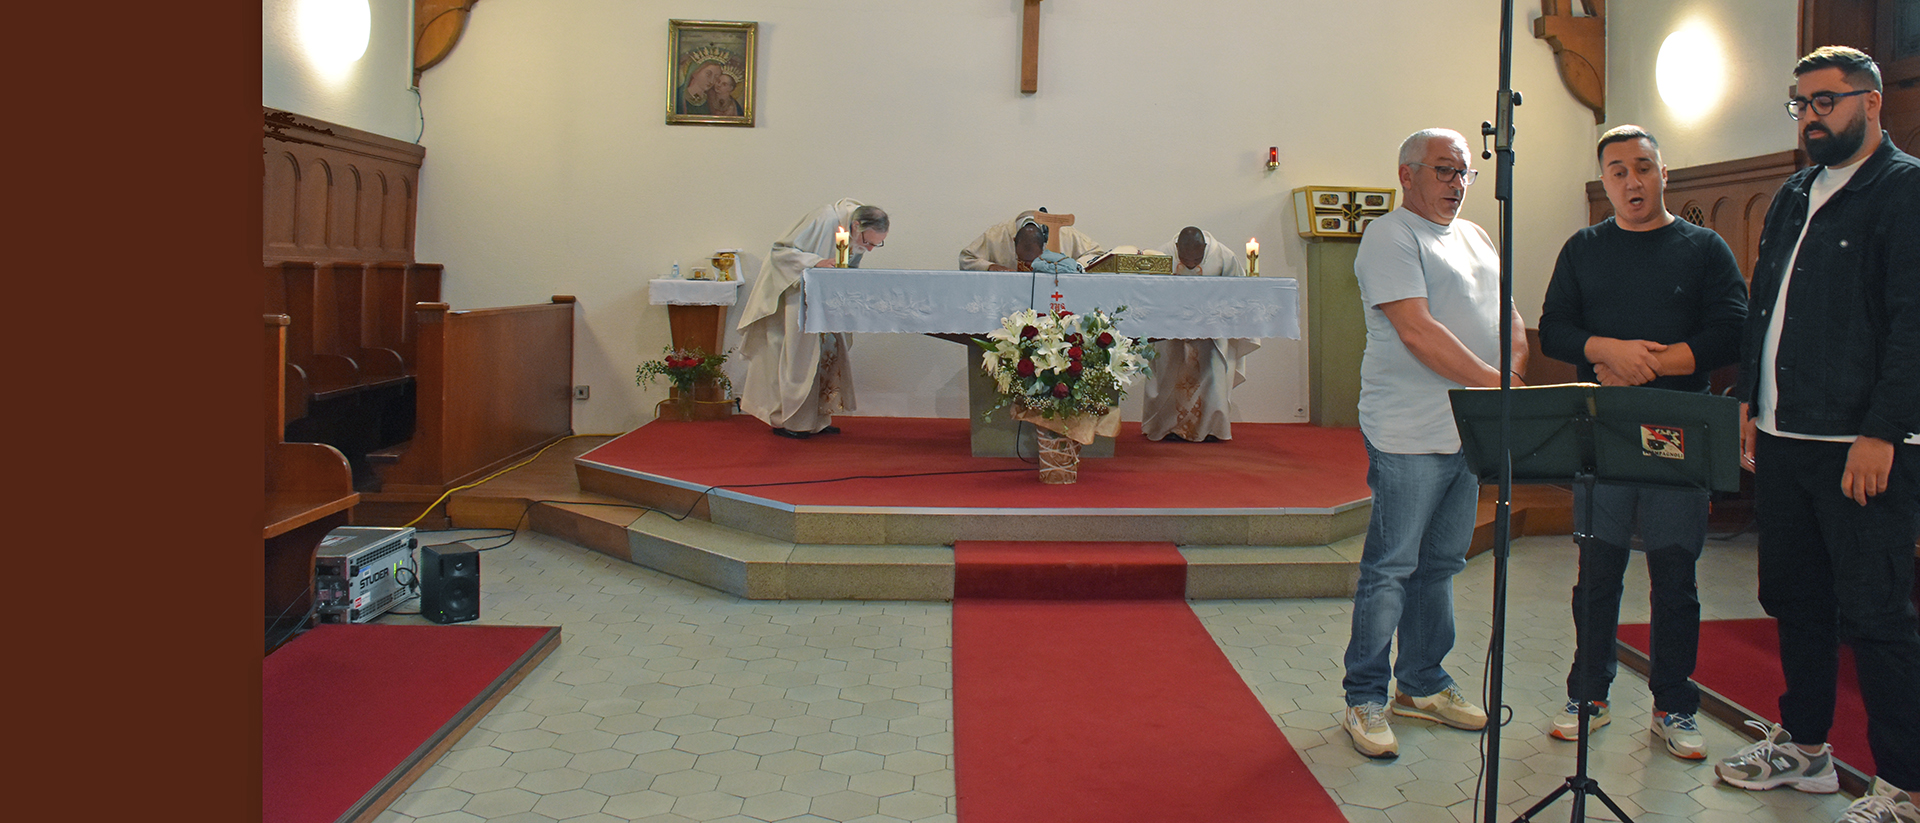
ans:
(1367, 725)
(1449, 706)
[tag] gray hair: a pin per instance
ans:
(870, 218)
(1415, 146)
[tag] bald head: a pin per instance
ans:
(1190, 246)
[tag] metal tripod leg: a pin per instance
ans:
(1580, 785)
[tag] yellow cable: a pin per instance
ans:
(536, 456)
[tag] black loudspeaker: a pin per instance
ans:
(450, 583)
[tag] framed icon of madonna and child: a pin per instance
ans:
(710, 72)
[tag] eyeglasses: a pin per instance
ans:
(1821, 103)
(1448, 173)
(870, 243)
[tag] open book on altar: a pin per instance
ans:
(1130, 260)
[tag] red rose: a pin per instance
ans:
(1061, 390)
(1025, 367)
(1074, 368)
(1074, 338)
(1075, 353)
(1106, 340)
(1029, 333)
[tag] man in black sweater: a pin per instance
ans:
(1641, 299)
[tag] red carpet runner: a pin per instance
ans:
(1112, 707)
(1740, 660)
(347, 710)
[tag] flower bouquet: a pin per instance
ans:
(693, 374)
(1065, 373)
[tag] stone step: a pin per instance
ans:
(756, 567)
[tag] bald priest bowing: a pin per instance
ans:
(1189, 394)
(796, 381)
(994, 250)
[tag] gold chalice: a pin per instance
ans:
(723, 263)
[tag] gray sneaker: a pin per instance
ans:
(1774, 761)
(1881, 804)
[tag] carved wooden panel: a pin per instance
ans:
(335, 194)
(1730, 197)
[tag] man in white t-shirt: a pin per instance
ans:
(1430, 287)
(1830, 378)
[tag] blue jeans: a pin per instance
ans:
(1417, 537)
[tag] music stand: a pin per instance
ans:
(1626, 435)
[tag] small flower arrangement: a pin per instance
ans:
(1062, 365)
(684, 368)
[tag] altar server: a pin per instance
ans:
(1189, 394)
(796, 381)
(993, 250)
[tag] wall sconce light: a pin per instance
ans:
(1690, 71)
(334, 32)
(1273, 158)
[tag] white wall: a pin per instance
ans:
(371, 94)
(1759, 41)
(550, 169)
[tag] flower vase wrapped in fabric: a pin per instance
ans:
(1065, 373)
(697, 380)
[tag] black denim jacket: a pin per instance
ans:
(1849, 358)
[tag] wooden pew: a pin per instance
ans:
(493, 386)
(309, 492)
(390, 292)
(346, 318)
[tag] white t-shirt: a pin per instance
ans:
(1403, 404)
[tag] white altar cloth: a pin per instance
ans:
(973, 302)
(670, 292)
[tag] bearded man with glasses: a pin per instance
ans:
(1830, 388)
(1430, 288)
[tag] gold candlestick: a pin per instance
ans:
(840, 255)
(1253, 258)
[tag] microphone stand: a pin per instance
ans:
(1501, 131)
(1580, 785)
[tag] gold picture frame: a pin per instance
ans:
(710, 72)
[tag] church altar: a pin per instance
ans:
(949, 303)
(973, 302)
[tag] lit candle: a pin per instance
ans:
(1253, 257)
(840, 240)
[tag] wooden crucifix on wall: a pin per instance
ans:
(1030, 49)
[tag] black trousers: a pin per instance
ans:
(1672, 526)
(1832, 570)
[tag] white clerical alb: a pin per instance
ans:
(1190, 392)
(795, 380)
(995, 245)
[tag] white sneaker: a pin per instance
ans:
(1882, 804)
(1567, 725)
(1682, 734)
(1775, 761)
(1367, 725)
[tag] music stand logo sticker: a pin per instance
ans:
(1663, 441)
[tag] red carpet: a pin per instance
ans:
(1106, 710)
(348, 710)
(1265, 465)
(1740, 660)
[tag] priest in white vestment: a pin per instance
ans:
(1188, 396)
(796, 381)
(993, 250)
